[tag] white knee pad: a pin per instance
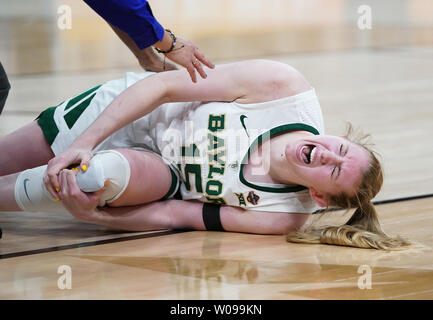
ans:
(107, 164)
(31, 194)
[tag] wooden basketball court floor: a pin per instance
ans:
(381, 80)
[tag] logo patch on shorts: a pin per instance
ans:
(253, 198)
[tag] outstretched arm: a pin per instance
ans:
(180, 214)
(171, 214)
(250, 81)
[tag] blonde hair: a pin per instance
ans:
(363, 229)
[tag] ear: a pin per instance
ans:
(320, 198)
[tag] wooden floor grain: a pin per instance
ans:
(214, 265)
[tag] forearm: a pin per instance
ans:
(180, 214)
(152, 216)
(128, 42)
(147, 58)
(164, 44)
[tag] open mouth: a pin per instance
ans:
(308, 153)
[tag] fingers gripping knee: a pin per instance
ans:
(106, 165)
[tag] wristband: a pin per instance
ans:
(173, 44)
(211, 217)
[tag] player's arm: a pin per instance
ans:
(248, 81)
(200, 216)
(173, 214)
(179, 214)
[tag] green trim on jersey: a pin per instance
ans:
(72, 116)
(267, 135)
(80, 97)
(46, 118)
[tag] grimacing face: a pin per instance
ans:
(328, 164)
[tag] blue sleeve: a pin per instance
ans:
(134, 17)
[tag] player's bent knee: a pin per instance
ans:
(152, 178)
(106, 165)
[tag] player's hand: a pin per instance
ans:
(189, 56)
(82, 205)
(72, 156)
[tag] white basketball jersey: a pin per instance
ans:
(210, 143)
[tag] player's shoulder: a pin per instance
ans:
(271, 68)
(273, 79)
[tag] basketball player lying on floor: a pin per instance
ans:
(244, 149)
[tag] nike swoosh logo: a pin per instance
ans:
(25, 188)
(243, 123)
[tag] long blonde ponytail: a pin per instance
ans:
(362, 230)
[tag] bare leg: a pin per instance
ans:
(7, 193)
(150, 178)
(23, 149)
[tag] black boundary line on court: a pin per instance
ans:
(151, 235)
(88, 244)
(423, 196)
(378, 203)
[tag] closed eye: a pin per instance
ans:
(333, 171)
(339, 167)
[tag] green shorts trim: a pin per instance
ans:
(48, 124)
(174, 185)
(77, 104)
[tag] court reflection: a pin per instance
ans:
(218, 269)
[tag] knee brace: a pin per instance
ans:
(107, 164)
(31, 194)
